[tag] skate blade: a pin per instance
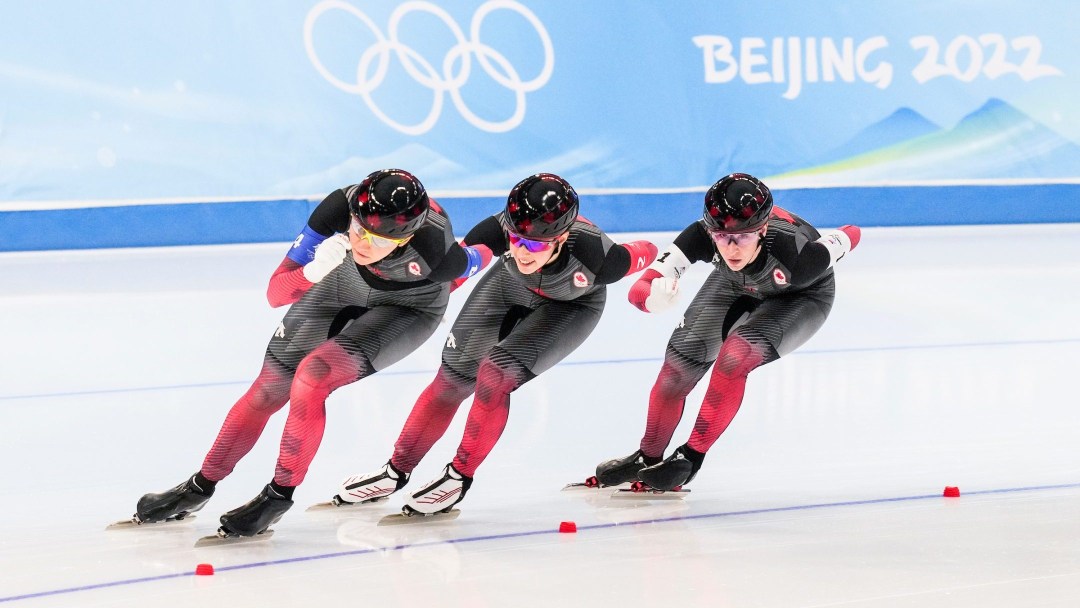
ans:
(650, 494)
(401, 518)
(331, 505)
(130, 524)
(217, 540)
(580, 486)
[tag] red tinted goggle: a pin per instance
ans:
(529, 244)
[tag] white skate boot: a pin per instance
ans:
(440, 495)
(372, 487)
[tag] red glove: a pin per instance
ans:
(853, 233)
(642, 253)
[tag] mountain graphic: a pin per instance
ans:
(902, 125)
(995, 141)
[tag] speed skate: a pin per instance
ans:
(337, 503)
(591, 484)
(412, 517)
(639, 491)
(132, 523)
(223, 538)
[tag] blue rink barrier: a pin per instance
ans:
(265, 221)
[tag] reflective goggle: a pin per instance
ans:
(529, 244)
(741, 239)
(375, 239)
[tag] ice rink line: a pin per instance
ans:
(411, 372)
(473, 539)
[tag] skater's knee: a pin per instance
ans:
(270, 390)
(312, 370)
(327, 369)
(739, 356)
(679, 374)
(265, 399)
(452, 385)
(500, 372)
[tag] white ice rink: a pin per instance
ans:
(951, 358)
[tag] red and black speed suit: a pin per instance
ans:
(739, 319)
(352, 323)
(512, 328)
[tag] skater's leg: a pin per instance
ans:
(539, 341)
(499, 375)
(247, 418)
(677, 378)
(430, 417)
(242, 427)
(775, 328)
(493, 309)
(532, 344)
(326, 369)
(427, 422)
(667, 400)
(727, 384)
(690, 352)
(377, 339)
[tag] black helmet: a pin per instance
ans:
(737, 203)
(541, 207)
(391, 203)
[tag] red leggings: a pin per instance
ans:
(499, 375)
(678, 376)
(324, 370)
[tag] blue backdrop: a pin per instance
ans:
(135, 123)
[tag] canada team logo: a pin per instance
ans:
(580, 280)
(414, 268)
(442, 76)
(779, 277)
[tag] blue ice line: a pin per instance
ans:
(473, 539)
(428, 372)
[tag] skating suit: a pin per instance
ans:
(357, 320)
(383, 310)
(512, 328)
(739, 319)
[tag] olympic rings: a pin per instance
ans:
(374, 63)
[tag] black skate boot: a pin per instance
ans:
(256, 516)
(621, 470)
(176, 503)
(675, 471)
